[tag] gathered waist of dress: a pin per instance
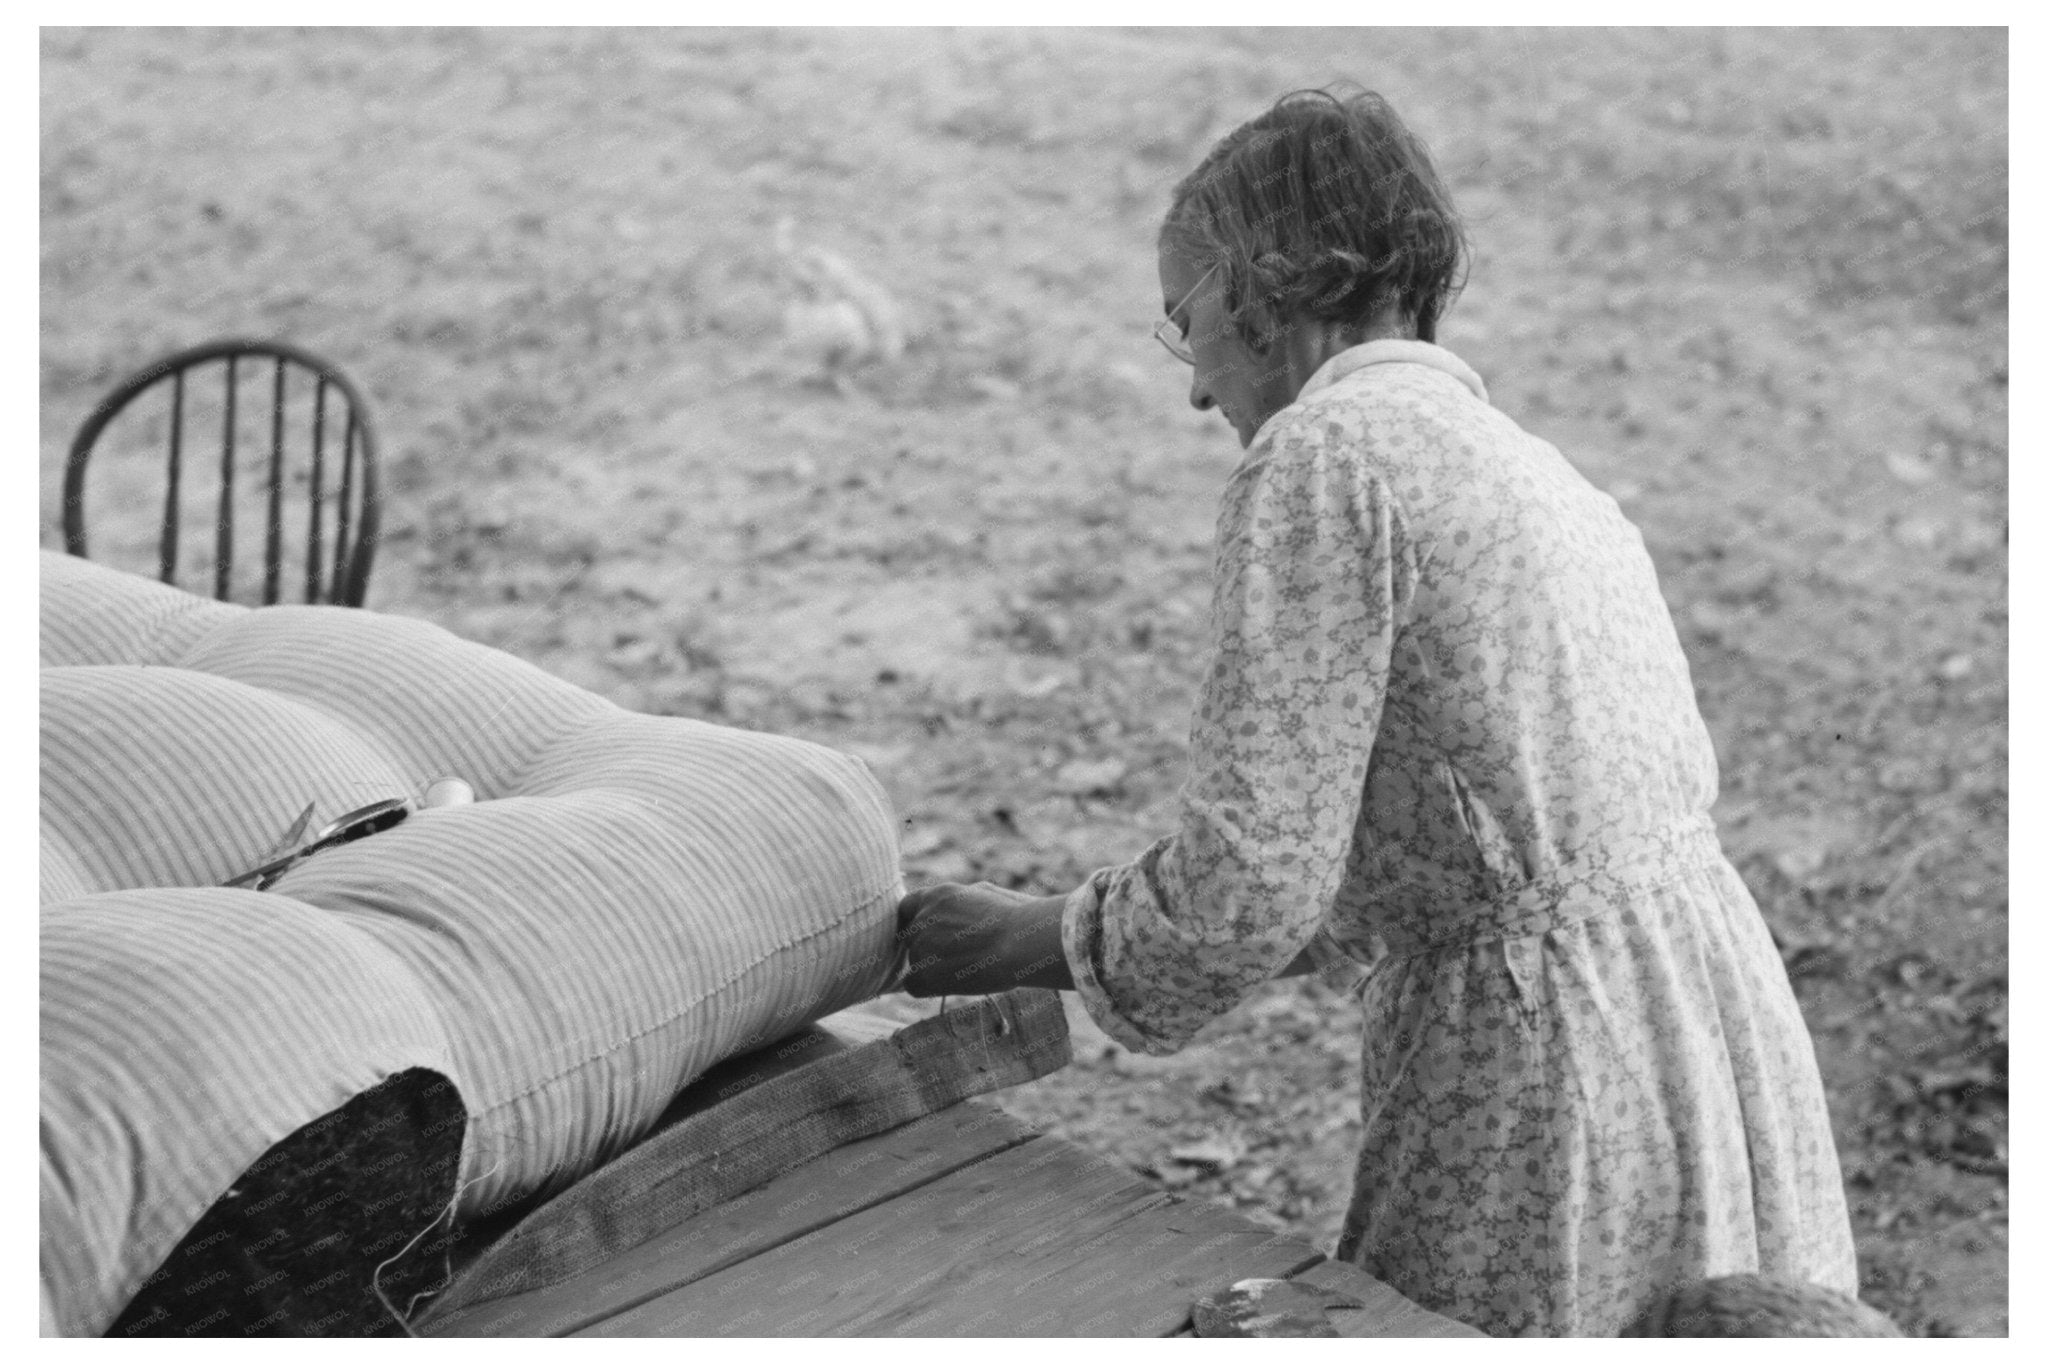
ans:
(1603, 878)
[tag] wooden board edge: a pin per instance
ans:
(1387, 1313)
(1085, 1244)
(994, 1042)
(634, 1278)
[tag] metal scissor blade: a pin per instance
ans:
(269, 861)
(291, 835)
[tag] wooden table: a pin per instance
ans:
(961, 1222)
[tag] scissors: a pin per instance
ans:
(358, 823)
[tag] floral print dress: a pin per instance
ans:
(1449, 730)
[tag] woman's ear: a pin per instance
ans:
(1262, 330)
(1311, 341)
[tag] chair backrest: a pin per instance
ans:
(313, 408)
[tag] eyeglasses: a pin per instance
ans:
(360, 823)
(1170, 333)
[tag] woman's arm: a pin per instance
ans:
(1315, 576)
(982, 939)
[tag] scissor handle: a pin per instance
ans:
(361, 822)
(373, 818)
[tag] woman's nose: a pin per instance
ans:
(1199, 397)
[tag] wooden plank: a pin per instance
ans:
(1204, 1249)
(813, 1195)
(733, 1077)
(757, 1133)
(724, 1082)
(1386, 1312)
(1043, 1239)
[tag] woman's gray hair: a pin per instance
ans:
(1324, 207)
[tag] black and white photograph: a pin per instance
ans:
(1019, 681)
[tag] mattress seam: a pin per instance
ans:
(671, 1020)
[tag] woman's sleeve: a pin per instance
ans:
(1314, 576)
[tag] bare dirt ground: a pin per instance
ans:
(1753, 283)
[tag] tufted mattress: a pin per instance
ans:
(630, 900)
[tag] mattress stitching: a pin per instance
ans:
(671, 1020)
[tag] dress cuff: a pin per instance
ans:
(1081, 939)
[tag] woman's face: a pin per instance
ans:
(1245, 387)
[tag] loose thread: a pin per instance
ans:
(447, 1212)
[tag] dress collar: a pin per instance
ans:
(1392, 352)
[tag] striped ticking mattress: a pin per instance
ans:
(630, 900)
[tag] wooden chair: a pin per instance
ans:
(309, 401)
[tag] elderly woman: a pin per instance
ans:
(1448, 730)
